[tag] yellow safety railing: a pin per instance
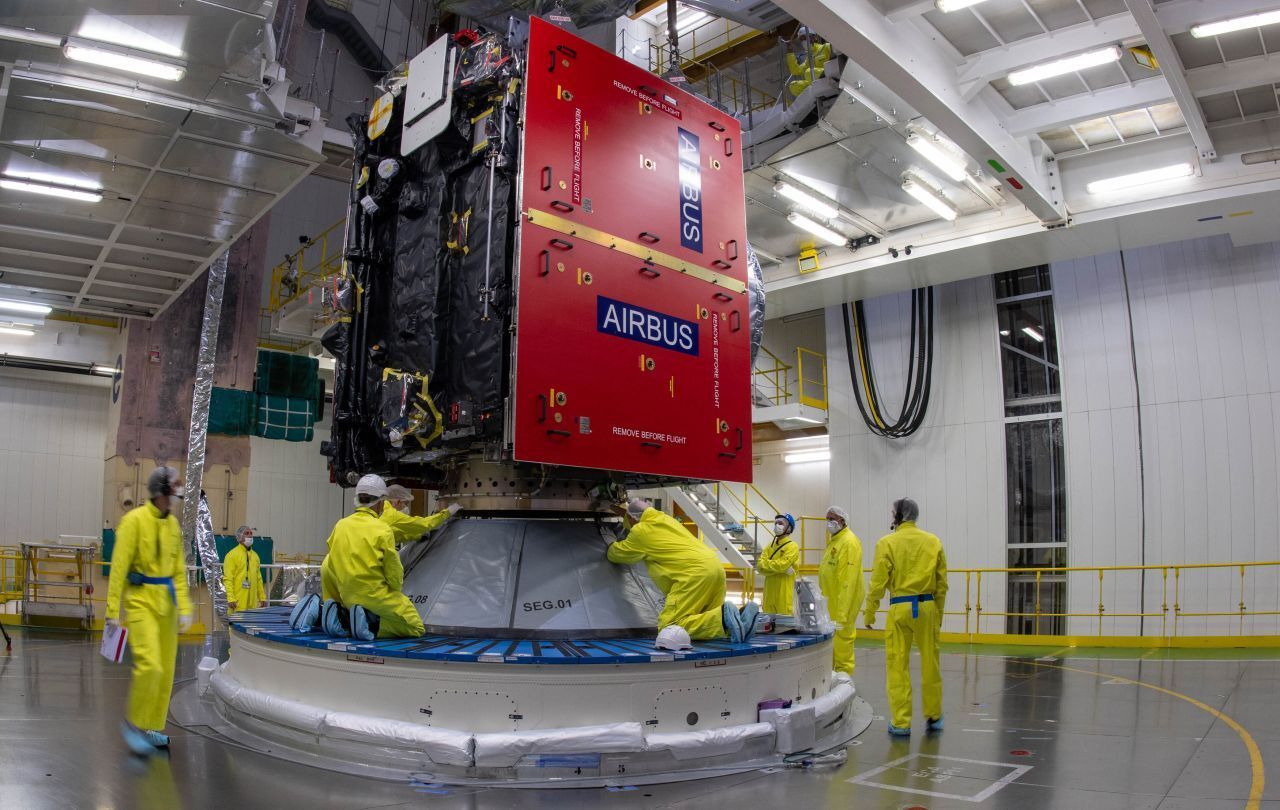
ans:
(12, 573)
(811, 368)
(318, 259)
(698, 46)
(772, 376)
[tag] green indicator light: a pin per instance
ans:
(995, 164)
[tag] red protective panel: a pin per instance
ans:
(632, 338)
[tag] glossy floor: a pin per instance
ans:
(1072, 730)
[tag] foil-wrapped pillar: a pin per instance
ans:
(199, 431)
(206, 550)
(755, 298)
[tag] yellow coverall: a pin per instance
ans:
(242, 576)
(683, 568)
(841, 581)
(363, 568)
(408, 527)
(150, 545)
(777, 562)
(910, 562)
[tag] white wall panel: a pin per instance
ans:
(290, 497)
(52, 437)
(1208, 371)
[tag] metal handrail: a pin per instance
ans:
(775, 377)
(805, 384)
(324, 252)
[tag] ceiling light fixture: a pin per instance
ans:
(930, 196)
(6, 330)
(1124, 181)
(817, 229)
(1070, 64)
(691, 22)
(1213, 29)
(933, 149)
(8, 305)
(29, 37)
(1033, 333)
(822, 207)
(51, 191)
(80, 51)
(806, 456)
(948, 6)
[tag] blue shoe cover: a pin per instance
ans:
(332, 620)
(732, 622)
(136, 741)
(156, 739)
(748, 618)
(899, 732)
(934, 725)
(305, 614)
(360, 624)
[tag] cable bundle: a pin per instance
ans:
(919, 373)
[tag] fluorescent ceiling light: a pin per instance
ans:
(1070, 64)
(7, 305)
(823, 208)
(933, 150)
(806, 456)
(930, 196)
(817, 229)
(151, 68)
(51, 191)
(1213, 29)
(947, 6)
(1141, 178)
(30, 37)
(1004, 332)
(1033, 333)
(53, 179)
(7, 330)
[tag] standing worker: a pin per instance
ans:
(407, 527)
(841, 581)
(911, 564)
(778, 563)
(149, 576)
(362, 573)
(687, 572)
(242, 574)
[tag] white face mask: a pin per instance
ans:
(833, 526)
(248, 542)
(779, 529)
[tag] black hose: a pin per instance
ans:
(919, 378)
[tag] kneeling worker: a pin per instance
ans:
(778, 563)
(362, 572)
(687, 571)
(911, 564)
(242, 574)
(406, 527)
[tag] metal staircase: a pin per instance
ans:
(719, 526)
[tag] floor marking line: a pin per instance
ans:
(1259, 774)
(1015, 772)
(1055, 654)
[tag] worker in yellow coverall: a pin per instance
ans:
(778, 563)
(242, 574)
(840, 578)
(362, 572)
(911, 564)
(147, 594)
(686, 570)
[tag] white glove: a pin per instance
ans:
(184, 622)
(454, 508)
(111, 626)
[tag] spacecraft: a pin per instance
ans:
(548, 300)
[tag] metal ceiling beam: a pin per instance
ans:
(1171, 67)
(1087, 106)
(1205, 81)
(994, 64)
(908, 62)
